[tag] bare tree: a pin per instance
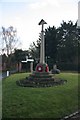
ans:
(9, 39)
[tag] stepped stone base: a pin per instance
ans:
(40, 79)
(40, 76)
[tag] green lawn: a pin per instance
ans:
(50, 102)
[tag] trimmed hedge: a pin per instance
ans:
(69, 66)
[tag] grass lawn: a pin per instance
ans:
(50, 102)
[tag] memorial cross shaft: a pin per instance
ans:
(42, 49)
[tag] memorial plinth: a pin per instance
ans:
(42, 70)
(41, 76)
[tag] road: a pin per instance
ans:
(3, 75)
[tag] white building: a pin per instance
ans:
(78, 23)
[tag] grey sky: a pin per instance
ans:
(25, 15)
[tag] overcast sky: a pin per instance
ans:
(26, 14)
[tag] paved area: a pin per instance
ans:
(72, 117)
(76, 117)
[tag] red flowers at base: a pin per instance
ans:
(39, 68)
(42, 68)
